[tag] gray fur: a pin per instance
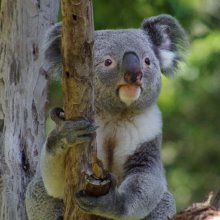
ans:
(166, 33)
(39, 204)
(51, 49)
(143, 176)
(126, 108)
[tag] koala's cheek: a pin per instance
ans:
(129, 93)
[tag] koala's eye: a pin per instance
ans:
(147, 61)
(108, 62)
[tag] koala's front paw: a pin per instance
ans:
(106, 205)
(76, 131)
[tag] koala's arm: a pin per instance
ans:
(65, 135)
(144, 183)
(142, 189)
(52, 166)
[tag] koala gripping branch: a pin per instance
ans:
(77, 84)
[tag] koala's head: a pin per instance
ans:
(128, 63)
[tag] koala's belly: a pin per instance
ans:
(116, 140)
(115, 145)
(112, 153)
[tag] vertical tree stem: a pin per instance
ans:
(77, 84)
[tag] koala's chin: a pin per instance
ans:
(129, 93)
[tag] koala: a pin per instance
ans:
(128, 64)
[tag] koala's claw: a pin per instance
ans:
(76, 131)
(83, 136)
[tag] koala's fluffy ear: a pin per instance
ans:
(51, 48)
(169, 40)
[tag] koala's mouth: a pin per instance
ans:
(128, 93)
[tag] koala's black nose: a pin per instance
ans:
(132, 68)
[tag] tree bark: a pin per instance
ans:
(78, 91)
(23, 94)
(77, 84)
(207, 210)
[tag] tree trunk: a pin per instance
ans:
(23, 94)
(77, 84)
(78, 91)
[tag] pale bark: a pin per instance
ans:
(23, 94)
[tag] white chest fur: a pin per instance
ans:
(127, 135)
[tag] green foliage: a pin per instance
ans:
(190, 101)
(191, 122)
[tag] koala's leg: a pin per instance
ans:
(165, 208)
(39, 205)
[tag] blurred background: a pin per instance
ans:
(190, 101)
